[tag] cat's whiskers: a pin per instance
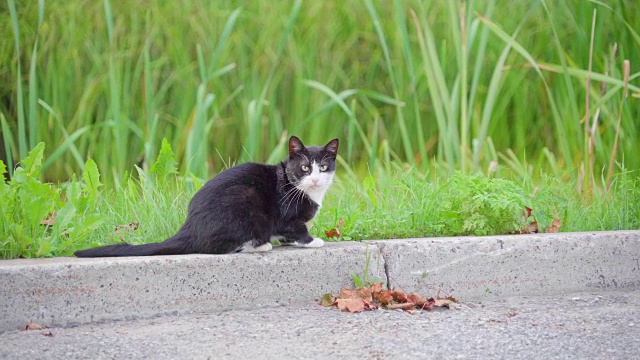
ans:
(290, 196)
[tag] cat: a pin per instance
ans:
(245, 207)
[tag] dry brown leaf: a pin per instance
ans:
(399, 296)
(335, 232)
(370, 305)
(530, 228)
(511, 313)
(121, 230)
(385, 297)
(49, 334)
(347, 293)
(376, 289)
(442, 302)
(364, 293)
(452, 299)
(50, 220)
(370, 298)
(33, 326)
(555, 226)
(428, 305)
(403, 306)
(350, 305)
(417, 299)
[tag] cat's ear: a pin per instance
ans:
(332, 148)
(295, 145)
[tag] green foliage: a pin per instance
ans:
(479, 205)
(422, 82)
(407, 204)
(91, 178)
(364, 278)
(40, 220)
(165, 166)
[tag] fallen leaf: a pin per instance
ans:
(399, 296)
(33, 326)
(403, 306)
(371, 298)
(327, 300)
(428, 305)
(347, 293)
(335, 232)
(121, 230)
(370, 305)
(376, 289)
(351, 305)
(555, 226)
(364, 293)
(50, 220)
(442, 302)
(530, 228)
(385, 297)
(49, 334)
(511, 313)
(420, 301)
(452, 299)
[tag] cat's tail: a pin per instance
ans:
(175, 245)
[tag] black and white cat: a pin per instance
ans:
(247, 206)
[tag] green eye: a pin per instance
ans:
(304, 168)
(323, 168)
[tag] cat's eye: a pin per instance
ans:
(304, 168)
(323, 168)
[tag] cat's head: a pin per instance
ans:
(311, 168)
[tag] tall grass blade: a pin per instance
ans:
(438, 92)
(255, 115)
(492, 95)
(625, 94)
(408, 54)
(22, 131)
(69, 140)
(7, 139)
(33, 87)
(560, 132)
(406, 140)
(224, 38)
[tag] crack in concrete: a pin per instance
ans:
(385, 262)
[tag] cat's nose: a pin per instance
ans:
(315, 181)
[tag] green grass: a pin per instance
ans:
(398, 204)
(424, 95)
(457, 83)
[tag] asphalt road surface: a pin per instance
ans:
(602, 325)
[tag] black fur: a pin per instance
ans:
(247, 202)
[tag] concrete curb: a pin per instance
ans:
(70, 291)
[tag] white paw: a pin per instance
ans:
(316, 243)
(261, 248)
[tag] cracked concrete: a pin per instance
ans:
(497, 266)
(69, 291)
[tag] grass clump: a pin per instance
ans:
(42, 220)
(405, 204)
